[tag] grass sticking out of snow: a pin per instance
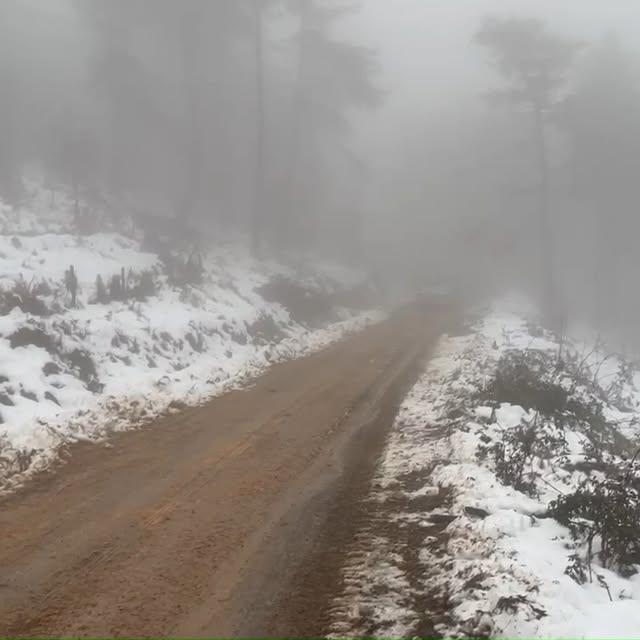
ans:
(80, 372)
(499, 567)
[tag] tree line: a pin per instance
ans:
(576, 105)
(234, 115)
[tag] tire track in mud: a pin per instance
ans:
(213, 521)
(384, 587)
(330, 592)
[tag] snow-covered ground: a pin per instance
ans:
(79, 372)
(499, 563)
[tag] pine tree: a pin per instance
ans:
(534, 65)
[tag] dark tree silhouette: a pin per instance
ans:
(603, 130)
(332, 79)
(534, 65)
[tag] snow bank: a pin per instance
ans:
(499, 565)
(69, 373)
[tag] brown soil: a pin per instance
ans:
(213, 521)
(359, 537)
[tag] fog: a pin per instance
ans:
(484, 145)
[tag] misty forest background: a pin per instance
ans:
(242, 119)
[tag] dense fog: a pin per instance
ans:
(484, 145)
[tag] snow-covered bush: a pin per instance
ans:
(533, 443)
(98, 334)
(563, 394)
(605, 511)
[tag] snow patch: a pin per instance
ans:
(81, 372)
(496, 564)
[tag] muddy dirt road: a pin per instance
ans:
(223, 519)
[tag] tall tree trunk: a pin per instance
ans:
(550, 301)
(194, 146)
(10, 165)
(292, 224)
(604, 257)
(259, 208)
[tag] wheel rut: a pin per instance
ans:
(217, 520)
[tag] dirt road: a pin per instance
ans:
(223, 519)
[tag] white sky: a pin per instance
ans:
(425, 45)
(430, 64)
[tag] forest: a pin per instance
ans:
(361, 274)
(231, 115)
(246, 118)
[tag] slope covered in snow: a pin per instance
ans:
(142, 336)
(510, 492)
